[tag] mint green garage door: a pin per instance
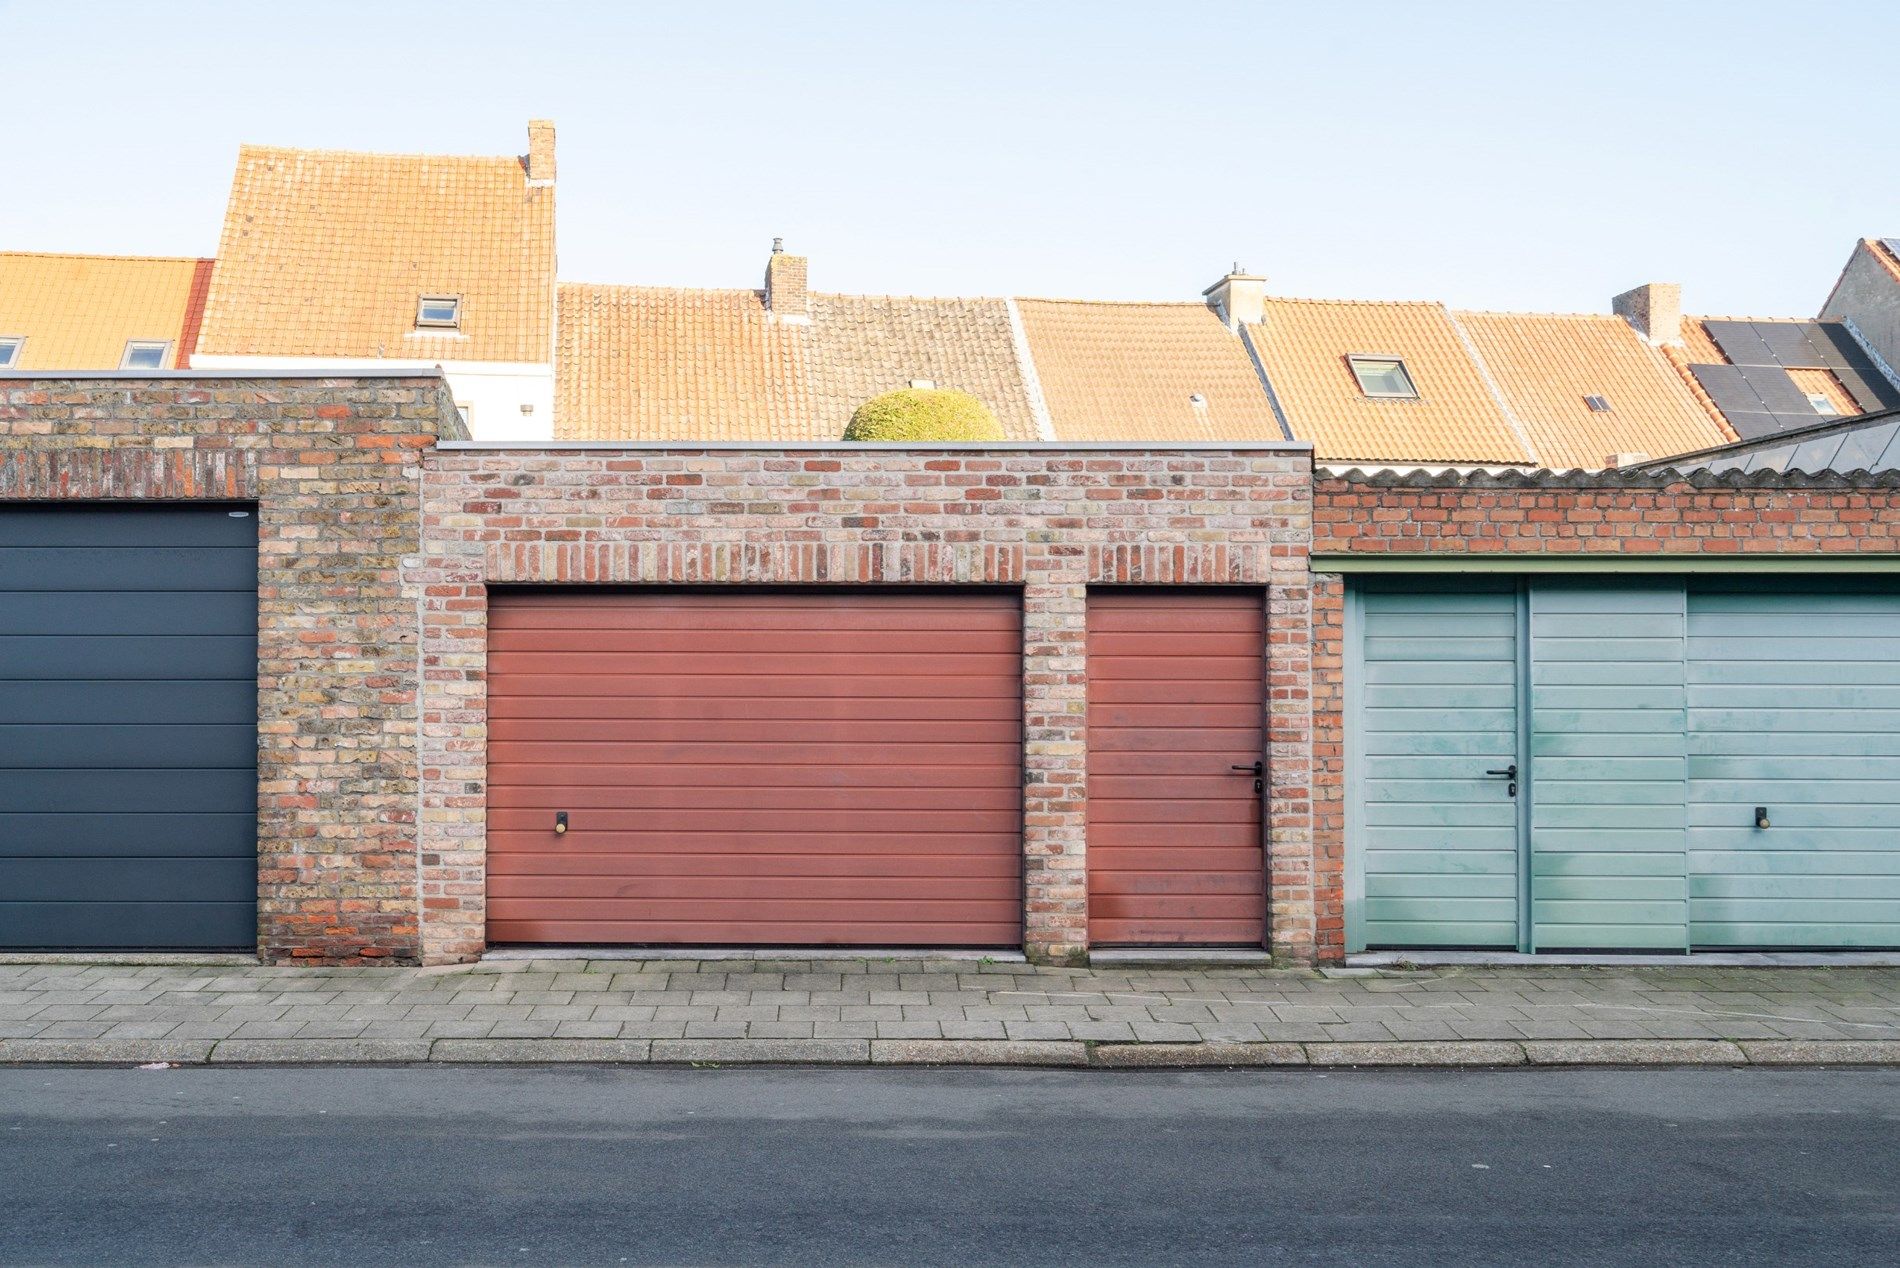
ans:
(1648, 719)
(1794, 706)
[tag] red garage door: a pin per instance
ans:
(778, 768)
(1174, 840)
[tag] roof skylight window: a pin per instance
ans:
(10, 346)
(1821, 404)
(144, 354)
(1598, 404)
(1383, 377)
(439, 312)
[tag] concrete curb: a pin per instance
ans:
(1070, 1054)
(1042, 1052)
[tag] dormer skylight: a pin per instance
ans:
(144, 354)
(1384, 377)
(439, 312)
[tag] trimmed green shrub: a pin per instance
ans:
(919, 413)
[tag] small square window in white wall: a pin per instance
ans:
(1383, 376)
(1821, 404)
(440, 312)
(10, 346)
(144, 354)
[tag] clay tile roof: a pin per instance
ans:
(1545, 364)
(861, 346)
(665, 363)
(77, 312)
(1304, 345)
(326, 252)
(1111, 371)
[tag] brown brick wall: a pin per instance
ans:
(334, 468)
(1538, 524)
(1048, 521)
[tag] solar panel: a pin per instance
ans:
(1839, 348)
(1777, 390)
(1863, 447)
(1814, 455)
(1727, 388)
(1752, 424)
(1739, 342)
(1870, 388)
(1787, 343)
(1793, 422)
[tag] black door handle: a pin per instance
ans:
(1259, 772)
(1510, 773)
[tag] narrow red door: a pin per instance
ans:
(1175, 851)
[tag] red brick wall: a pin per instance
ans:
(1359, 517)
(1363, 518)
(334, 468)
(1052, 522)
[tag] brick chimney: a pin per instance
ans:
(540, 151)
(786, 296)
(1654, 309)
(1239, 299)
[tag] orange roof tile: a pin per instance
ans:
(1304, 345)
(77, 312)
(325, 253)
(1823, 383)
(1116, 372)
(666, 363)
(662, 363)
(1545, 364)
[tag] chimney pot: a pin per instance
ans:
(1239, 299)
(540, 151)
(786, 295)
(1654, 309)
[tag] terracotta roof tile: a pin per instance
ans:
(1545, 364)
(861, 346)
(1304, 345)
(326, 252)
(1825, 384)
(665, 363)
(77, 312)
(1114, 372)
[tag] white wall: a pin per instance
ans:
(493, 392)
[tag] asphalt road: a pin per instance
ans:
(644, 1166)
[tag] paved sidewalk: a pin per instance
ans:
(949, 1011)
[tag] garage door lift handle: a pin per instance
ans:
(1259, 772)
(1510, 773)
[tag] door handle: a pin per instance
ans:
(1259, 772)
(1510, 773)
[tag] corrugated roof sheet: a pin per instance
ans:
(326, 252)
(77, 312)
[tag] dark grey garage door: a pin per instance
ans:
(128, 726)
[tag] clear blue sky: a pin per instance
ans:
(1530, 154)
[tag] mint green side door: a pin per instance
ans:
(1432, 838)
(1794, 707)
(1607, 766)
